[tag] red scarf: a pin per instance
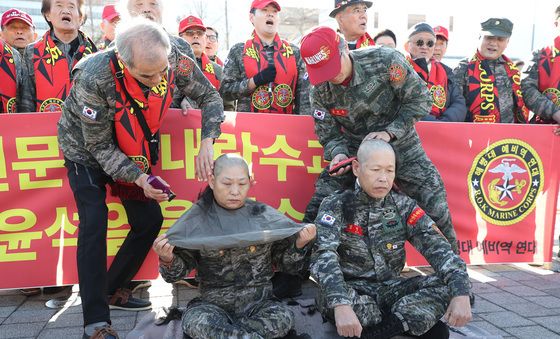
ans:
(549, 77)
(218, 61)
(52, 75)
(279, 96)
(364, 41)
(482, 98)
(128, 131)
(7, 79)
(208, 70)
(437, 84)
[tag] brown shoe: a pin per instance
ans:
(105, 332)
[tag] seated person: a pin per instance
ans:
(359, 254)
(233, 242)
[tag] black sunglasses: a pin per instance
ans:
(429, 43)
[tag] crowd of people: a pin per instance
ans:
(365, 97)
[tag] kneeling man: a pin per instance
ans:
(360, 253)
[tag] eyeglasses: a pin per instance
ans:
(212, 38)
(429, 43)
(191, 33)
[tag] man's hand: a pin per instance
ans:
(347, 323)
(383, 135)
(205, 159)
(307, 234)
(338, 158)
(163, 249)
(458, 312)
(149, 191)
(185, 106)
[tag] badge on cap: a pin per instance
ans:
(319, 115)
(328, 219)
(89, 112)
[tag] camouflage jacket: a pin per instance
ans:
(237, 278)
(28, 89)
(537, 102)
(235, 83)
(360, 242)
(385, 94)
(506, 99)
(90, 142)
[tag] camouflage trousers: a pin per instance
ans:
(416, 176)
(268, 319)
(418, 301)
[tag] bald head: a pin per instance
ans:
(228, 161)
(369, 147)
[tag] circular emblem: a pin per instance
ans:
(184, 66)
(261, 98)
(505, 180)
(389, 246)
(439, 97)
(396, 73)
(11, 105)
(142, 162)
(51, 105)
(283, 94)
(553, 94)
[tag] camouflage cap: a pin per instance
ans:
(339, 5)
(500, 27)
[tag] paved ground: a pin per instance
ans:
(512, 301)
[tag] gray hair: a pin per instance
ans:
(230, 160)
(371, 145)
(142, 32)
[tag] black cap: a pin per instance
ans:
(501, 27)
(419, 28)
(339, 5)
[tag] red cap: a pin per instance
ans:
(260, 4)
(109, 13)
(441, 32)
(319, 50)
(16, 14)
(191, 22)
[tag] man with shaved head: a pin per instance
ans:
(109, 134)
(359, 254)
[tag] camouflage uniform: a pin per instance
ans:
(86, 137)
(28, 87)
(537, 102)
(359, 254)
(236, 293)
(235, 83)
(506, 101)
(385, 94)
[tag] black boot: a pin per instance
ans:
(389, 327)
(438, 331)
(285, 285)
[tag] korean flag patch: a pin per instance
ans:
(328, 219)
(319, 115)
(89, 112)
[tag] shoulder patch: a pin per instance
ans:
(89, 112)
(184, 66)
(319, 115)
(416, 214)
(328, 219)
(396, 73)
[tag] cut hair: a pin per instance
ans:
(139, 31)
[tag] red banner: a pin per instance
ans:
(500, 179)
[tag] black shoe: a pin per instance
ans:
(134, 286)
(293, 335)
(438, 331)
(285, 285)
(105, 332)
(389, 327)
(123, 300)
(472, 299)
